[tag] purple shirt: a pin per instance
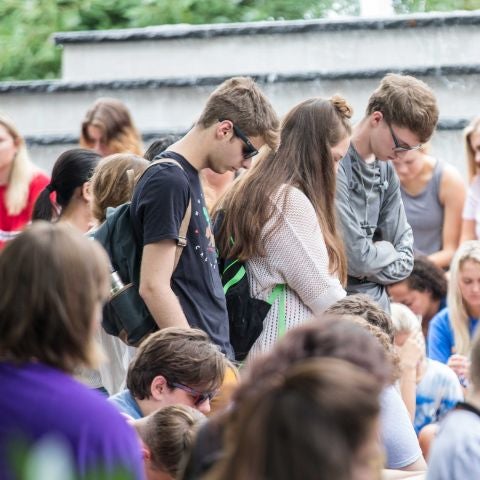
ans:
(38, 401)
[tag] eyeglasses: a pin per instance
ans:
(249, 150)
(398, 147)
(198, 397)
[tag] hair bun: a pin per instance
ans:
(342, 106)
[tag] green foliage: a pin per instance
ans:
(411, 6)
(26, 26)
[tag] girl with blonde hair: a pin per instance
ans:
(471, 211)
(20, 182)
(281, 217)
(451, 330)
(108, 128)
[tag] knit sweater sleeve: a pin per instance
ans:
(297, 252)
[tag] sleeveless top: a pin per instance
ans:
(425, 214)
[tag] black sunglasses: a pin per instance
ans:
(198, 397)
(249, 150)
(398, 147)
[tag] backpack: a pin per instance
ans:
(125, 314)
(245, 313)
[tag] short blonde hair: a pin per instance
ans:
(169, 434)
(403, 319)
(406, 102)
(472, 127)
(113, 181)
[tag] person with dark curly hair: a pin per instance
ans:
(423, 292)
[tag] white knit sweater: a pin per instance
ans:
(296, 255)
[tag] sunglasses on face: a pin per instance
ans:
(198, 397)
(249, 150)
(399, 148)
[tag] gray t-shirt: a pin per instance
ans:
(455, 454)
(397, 432)
(377, 237)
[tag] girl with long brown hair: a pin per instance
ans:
(279, 217)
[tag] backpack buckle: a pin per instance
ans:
(182, 242)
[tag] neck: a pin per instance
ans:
(432, 311)
(194, 147)
(5, 174)
(361, 141)
(473, 397)
(147, 406)
(473, 312)
(78, 214)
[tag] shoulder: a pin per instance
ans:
(291, 199)
(39, 181)
(441, 319)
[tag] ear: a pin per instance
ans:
(376, 118)
(157, 387)
(224, 129)
(86, 191)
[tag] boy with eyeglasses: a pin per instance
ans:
(172, 366)
(401, 115)
(236, 121)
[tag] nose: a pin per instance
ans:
(204, 407)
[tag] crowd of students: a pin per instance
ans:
(332, 223)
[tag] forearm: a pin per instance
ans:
(442, 258)
(408, 389)
(164, 306)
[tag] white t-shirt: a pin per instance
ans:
(471, 210)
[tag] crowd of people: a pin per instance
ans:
(344, 259)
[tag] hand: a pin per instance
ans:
(412, 351)
(460, 364)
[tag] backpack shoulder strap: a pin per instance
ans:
(182, 233)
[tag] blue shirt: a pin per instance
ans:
(441, 338)
(437, 392)
(125, 403)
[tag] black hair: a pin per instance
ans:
(71, 170)
(427, 277)
(159, 145)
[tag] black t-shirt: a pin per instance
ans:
(158, 207)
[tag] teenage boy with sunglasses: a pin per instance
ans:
(401, 115)
(172, 366)
(236, 121)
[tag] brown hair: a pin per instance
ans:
(169, 434)
(112, 117)
(181, 355)
(241, 101)
(60, 277)
(363, 306)
(406, 102)
(472, 127)
(113, 181)
(303, 160)
(307, 422)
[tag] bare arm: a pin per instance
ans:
(155, 277)
(452, 198)
(468, 231)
